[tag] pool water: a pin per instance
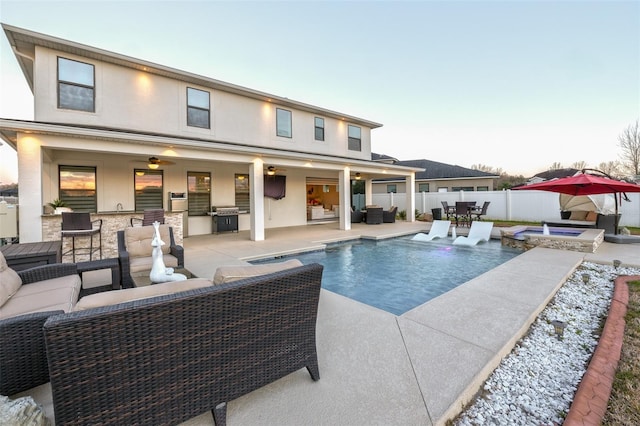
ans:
(398, 274)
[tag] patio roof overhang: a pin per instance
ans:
(142, 145)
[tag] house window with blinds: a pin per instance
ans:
(148, 186)
(78, 188)
(199, 193)
(242, 193)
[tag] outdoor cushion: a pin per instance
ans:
(128, 294)
(578, 215)
(138, 240)
(225, 274)
(591, 216)
(49, 295)
(10, 281)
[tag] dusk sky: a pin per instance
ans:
(516, 85)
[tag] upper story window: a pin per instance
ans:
(355, 138)
(283, 123)
(198, 108)
(78, 187)
(76, 88)
(148, 186)
(319, 128)
(423, 187)
(199, 193)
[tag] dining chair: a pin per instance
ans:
(483, 211)
(462, 214)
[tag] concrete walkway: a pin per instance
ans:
(377, 368)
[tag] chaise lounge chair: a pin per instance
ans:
(439, 229)
(479, 231)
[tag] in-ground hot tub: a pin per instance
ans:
(577, 239)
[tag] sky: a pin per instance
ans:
(514, 85)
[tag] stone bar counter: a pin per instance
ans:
(111, 223)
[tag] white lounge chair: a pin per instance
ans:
(439, 229)
(480, 231)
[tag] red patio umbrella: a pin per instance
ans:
(585, 184)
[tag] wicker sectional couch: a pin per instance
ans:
(169, 358)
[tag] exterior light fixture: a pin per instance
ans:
(271, 170)
(358, 177)
(139, 172)
(558, 327)
(240, 177)
(153, 166)
(585, 278)
(616, 263)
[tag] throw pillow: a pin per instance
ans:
(10, 281)
(21, 411)
(591, 217)
(578, 216)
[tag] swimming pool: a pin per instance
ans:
(398, 274)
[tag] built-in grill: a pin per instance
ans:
(225, 219)
(226, 211)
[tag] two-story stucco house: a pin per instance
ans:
(115, 135)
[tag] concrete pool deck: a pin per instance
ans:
(377, 368)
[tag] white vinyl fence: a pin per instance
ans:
(530, 206)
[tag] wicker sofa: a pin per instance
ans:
(41, 292)
(169, 358)
(134, 251)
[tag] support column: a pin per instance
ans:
(368, 192)
(30, 184)
(344, 185)
(411, 197)
(256, 200)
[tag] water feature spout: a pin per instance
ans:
(545, 229)
(453, 233)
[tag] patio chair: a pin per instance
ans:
(75, 224)
(439, 229)
(480, 231)
(483, 211)
(150, 216)
(389, 216)
(356, 216)
(374, 215)
(462, 214)
(448, 210)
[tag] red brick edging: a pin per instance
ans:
(590, 401)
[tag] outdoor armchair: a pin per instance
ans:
(389, 216)
(134, 251)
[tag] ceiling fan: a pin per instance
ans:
(271, 170)
(154, 162)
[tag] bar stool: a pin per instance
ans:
(80, 225)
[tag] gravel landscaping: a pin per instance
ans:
(536, 382)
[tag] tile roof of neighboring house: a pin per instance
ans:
(383, 158)
(436, 170)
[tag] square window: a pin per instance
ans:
(423, 187)
(78, 187)
(283, 123)
(392, 188)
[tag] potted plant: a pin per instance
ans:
(59, 206)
